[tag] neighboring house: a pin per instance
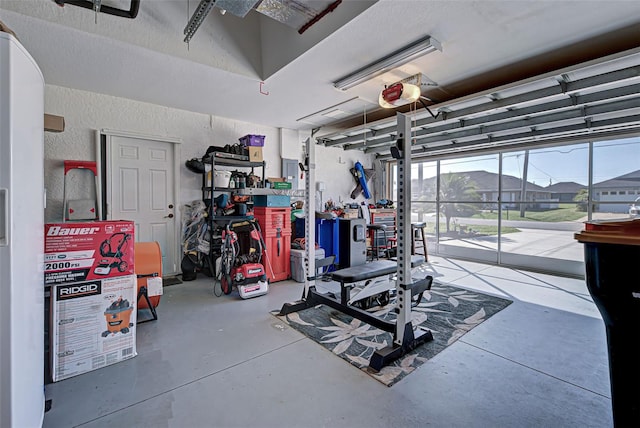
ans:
(565, 191)
(486, 184)
(625, 189)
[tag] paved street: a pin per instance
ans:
(559, 244)
(542, 239)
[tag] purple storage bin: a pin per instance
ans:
(252, 140)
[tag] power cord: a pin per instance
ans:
(435, 116)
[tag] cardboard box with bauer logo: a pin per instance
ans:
(76, 252)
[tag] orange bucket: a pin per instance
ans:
(148, 261)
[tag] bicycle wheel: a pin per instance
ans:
(226, 265)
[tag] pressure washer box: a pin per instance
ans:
(93, 325)
(76, 252)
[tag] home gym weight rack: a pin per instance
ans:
(405, 337)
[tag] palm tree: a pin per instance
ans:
(456, 187)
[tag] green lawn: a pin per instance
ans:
(567, 212)
(477, 229)
(492, 230)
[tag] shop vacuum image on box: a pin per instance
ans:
(118, 316)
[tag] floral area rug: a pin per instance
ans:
(447, 311)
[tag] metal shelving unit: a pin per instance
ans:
(210, 191)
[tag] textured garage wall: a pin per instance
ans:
(332, 168)
(86, 112)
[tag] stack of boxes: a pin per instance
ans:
(254, 144)
(90, 269)
(273, 213)
(275, 223)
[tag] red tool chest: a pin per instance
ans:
(275, 223)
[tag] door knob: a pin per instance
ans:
(170, 216)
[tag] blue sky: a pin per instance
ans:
(555, 164)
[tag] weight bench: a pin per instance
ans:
(377, 278)
(406, 337)
(347, 277)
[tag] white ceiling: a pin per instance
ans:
(258, 70)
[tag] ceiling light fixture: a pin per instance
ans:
(400, 57)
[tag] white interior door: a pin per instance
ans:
(142, 186)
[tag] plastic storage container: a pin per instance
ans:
(272, 201)
(611, 252)
(297, 263)
(221, 178)
(272, 219)
(275, 224)
(252, 140)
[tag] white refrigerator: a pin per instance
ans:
(21, 237)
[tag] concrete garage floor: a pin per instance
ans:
(219, 362)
